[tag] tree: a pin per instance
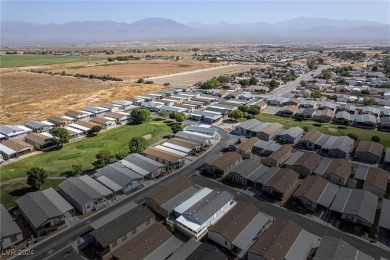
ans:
(36, 177)
(163, 114)
(253, 81)
(180, 117)
(316, 94)
(253, 111)
(368, 101)
(243, 108)
(365, 92)
(140, 115)
(375, 139)
(96, 129)
(303, 83)
(103, 157)
(76, 168)
(140, 80)
(235, 114)
(321, 120)
(61, 136)
(353, 136)
(120, 155)
(346, 122)
(176, 128)
(305, 128)
(325, 74)
(244, 82)
(273, 84)
(137, 144)
(374, 68)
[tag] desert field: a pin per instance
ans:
(132, 70)
(18, 60)
(28, 96)
(191, 77)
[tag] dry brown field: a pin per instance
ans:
(132, 70)
(192, 77)
(137, 69)
(27, 96)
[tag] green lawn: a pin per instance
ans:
(7, 61)
(11, 192)
(57, 162)
(363, 134)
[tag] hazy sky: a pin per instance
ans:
(43, 12)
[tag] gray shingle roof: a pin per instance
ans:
(207, 206)
(113, 215)
(165, 249)
(84, 189)
(343, 143)
(356, 202)
(200, 129)
(246, 167)
(8, 225)
(293, 131)
(294, 157)
(207, 252)
(142, 162)
(185, 250)
(332, 248)
(387, 155)
(206, 114)
(245, 239)
(41, 206)
(322, 166)
(180, 198)
(384, 220)
(122, 225)
(7, 129)
(250, 124)
(365, 118)
(192, 137)
(267, 175)
(35, 124)
(118, 173)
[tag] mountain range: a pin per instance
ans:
(299, 30)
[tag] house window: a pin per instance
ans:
(134, 231)
(124, 237)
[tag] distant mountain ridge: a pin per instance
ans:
(161, 29)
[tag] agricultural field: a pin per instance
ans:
(132, 70)
(57, 162)
(27, 60)
(28, 96)
(330, 129)
(15, 60)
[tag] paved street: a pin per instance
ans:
(55, 243)
(284, 91)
